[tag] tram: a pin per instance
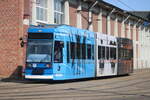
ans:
(62, 52)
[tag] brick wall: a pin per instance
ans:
(84, 15)
(73, 15)
(126, 30)
(137, 34)
(131, 32)
(104, 24)
(95, 22)
(119, 29)
(27, 6)
(11, 29)
(112, 22)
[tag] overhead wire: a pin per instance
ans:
(126, 5)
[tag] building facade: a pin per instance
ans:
(94, 15)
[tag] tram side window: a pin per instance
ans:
(123, 54)
(88, 51)
(68, 52)
(99, 52)
(103, 52)
(83, 51)
(126, 54)
(72, 50)
(113, 53)
(131, 54)
(92, 52)
(120, 53)
(78, 49)
(58, 52)
(107, 52)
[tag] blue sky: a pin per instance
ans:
(130, 5)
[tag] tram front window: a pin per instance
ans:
(39, 50)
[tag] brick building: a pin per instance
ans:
(94, 15)
(11, 29)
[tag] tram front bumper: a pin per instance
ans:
(38, 76)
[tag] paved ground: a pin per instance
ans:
(133, 87)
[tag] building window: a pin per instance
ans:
(41, 10)
(58, 11)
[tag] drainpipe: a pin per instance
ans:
(123, 26)
(126, 19)
(90, 16)
(108, 22)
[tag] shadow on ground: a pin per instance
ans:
(25, 81)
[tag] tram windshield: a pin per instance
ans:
(39, 50)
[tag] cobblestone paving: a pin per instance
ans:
(133, 87)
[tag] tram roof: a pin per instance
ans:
(62, 28)
(106, 36)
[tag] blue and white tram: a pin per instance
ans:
(59, 52)
(62, 52)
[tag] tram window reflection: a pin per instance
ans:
(58, 52)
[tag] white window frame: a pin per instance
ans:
(60, 12)
(45, 18)
(49, 14)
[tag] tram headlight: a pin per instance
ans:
(48, 65)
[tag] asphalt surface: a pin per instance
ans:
(133, 87)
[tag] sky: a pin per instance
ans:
(131, 5)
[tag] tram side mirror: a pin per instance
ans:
(22, 43)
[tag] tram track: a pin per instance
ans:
(83, 89)
(101, 85)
